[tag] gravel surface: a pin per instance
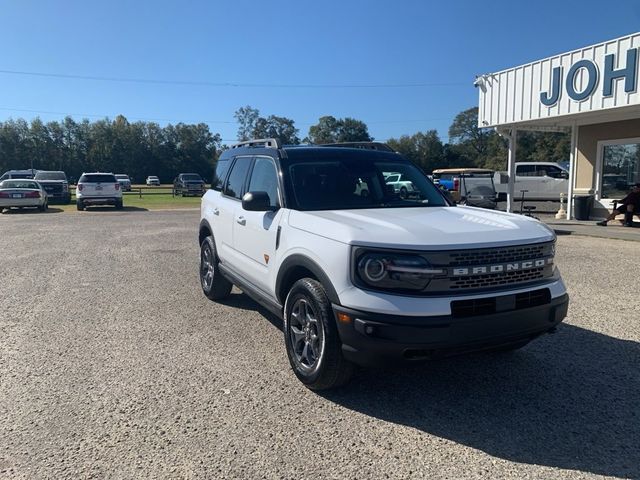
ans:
(113, 364)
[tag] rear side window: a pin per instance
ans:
(222, 167)
(237, 176)
(98, 178)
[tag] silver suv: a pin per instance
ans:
(98, 189)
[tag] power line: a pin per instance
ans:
(230, 84)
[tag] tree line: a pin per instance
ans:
(145, 148)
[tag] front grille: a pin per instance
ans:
(53, 188)
(496, 279)
(498, 255)
(491, 268)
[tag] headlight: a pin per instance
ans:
(393, 271)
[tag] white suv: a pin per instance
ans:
(375, 278)
(98, 189)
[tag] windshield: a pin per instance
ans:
(19, 184)
(51, 176)
(478, 184)
(192, 177)
(349, 183)
(122, 177)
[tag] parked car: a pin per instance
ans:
(188, 184)
(449, 179)
(98, 189)
(124, 181)
(30, 173)
(400, 184)
(376, 278)
(22, 193)
(55, 184)
(542, 180)
(153, 180)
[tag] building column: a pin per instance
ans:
(511, 168)
(573, 158)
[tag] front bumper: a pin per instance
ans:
(379, 339)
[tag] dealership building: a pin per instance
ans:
(593, 94)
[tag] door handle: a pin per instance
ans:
(216, 211)
(241, 220)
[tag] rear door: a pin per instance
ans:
(255, 233)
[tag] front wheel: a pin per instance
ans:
(214, 285)
(311, 337)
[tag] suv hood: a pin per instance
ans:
(432, 228)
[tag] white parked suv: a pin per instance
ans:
(98, 189)
(375, 278)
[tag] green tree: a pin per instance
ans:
(246, 118)
(424, 149)
(332, 130)
(281, 128)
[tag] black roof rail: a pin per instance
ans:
(364, 145)
(259, 142)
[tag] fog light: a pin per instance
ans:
(344, 318)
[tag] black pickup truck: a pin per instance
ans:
(55, 184)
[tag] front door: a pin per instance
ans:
(255, 233)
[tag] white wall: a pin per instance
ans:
(513, 96)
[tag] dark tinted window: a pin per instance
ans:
(526, 170)
(98, 178)
(264, 178)
(19, 184)
(221, 172)
(50, 176)
(191, 177)
(238, 175)
(348, 183)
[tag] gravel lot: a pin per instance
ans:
(114, 365)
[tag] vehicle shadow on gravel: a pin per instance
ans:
(27, 211)
(109, 208)
(571, 400)
(244, 302)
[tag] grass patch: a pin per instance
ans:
(150, 201)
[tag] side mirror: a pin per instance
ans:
(257, 202)
(564, 175)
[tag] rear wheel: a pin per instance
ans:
(403, 192)
(43, 207)
(80, 205)
(214, 285)
(118, 204)
(311, 337)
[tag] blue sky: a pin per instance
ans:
(442, 44)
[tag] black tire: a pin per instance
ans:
(80, 205)
(403, 192)
(118, 204)
(214, 285)
(43, 207)
(329, 369)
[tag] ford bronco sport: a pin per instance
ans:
(375, 278)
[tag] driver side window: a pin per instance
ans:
(264, 178)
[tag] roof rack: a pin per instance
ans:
(364, 145)
(259, 142)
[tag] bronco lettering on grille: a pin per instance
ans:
(502, 267)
